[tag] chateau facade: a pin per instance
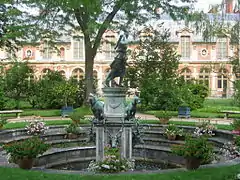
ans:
(207, 62)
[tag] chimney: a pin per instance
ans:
(229, 6)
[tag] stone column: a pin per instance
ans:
(99, 142)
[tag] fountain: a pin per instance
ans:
(113, 120)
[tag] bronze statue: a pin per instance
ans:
(97, 108)
(118, 66)
(132, 108)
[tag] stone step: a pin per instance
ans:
(46, 137)
(161, 142)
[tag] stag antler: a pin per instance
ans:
(114, 138)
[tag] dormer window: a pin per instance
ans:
(47, 53)
(185, 47)
(109, 47)
(222, 48)
(78, 47)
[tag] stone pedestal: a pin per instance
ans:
(114, 130)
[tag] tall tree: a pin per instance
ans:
(93, 18)
(13, 26)
(16, 81)
(156, 67)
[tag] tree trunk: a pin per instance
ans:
(89, 61)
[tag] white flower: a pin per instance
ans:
(105, 166)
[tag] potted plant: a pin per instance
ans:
(3, 121)
(204, 128)
(72, 131)
(36, 127)
(172, 131)
(163, 116)
(24, 152)
(76, 116)
(236, 126)
(195, 151)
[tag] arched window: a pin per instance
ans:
(222, 79)
(186, 74)
(204, 76)
(62, 72)
(95, 74)
(45, 71)
(62, 53)
(78, 74)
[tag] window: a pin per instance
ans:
(77, 74)
(204, 52)
(222, 79)
(62, 72)
(78, 48)
(28, 53)
(204, 77)
(222, 48)
(95, 74)
(62, 53)
(109, 47)
(186, 74)
(45, 71)
(185, 46)
(47, 54)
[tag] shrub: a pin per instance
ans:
(231, 150)
(236, 124)
(198, 147)
(163, 115)
(172, 129)
(76, 116)
(3, 121)
(72, 128)
(29, 148)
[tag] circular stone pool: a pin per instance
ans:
(75, 154)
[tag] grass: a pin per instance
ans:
(212, 109)
(186, 123)
(48, 112)
(220, 173)
(16, 125)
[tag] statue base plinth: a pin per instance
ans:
(116, 135)
(114, 103)
(114, 131)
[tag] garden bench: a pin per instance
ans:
(229, 112)
(66, 111)
(18, 112)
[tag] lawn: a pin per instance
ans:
(16, 125)
(211, 109)
(47, 112)
(221, 173)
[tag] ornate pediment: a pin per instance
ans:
(184, 32)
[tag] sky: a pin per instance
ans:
(204, 4)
